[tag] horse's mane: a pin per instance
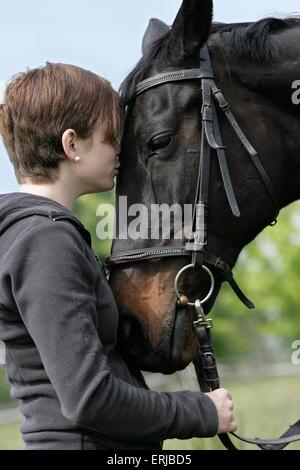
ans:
(254, 41)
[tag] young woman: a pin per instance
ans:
(61, 126)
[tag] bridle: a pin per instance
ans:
(195, 248)
(211, 139)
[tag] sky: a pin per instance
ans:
(101, 35)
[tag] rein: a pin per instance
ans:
(211, 139)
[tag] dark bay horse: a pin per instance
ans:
(257, 66)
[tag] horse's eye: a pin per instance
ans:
(160, 142)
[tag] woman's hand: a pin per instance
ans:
(223, 402)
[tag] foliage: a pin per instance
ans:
(86, 209)
(269, 272)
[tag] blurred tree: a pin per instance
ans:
(269, 272)
(88, 209)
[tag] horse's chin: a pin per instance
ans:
(175, 351)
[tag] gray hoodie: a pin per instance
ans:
(59, 321)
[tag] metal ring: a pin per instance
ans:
(190, 266)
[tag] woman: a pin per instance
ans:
(61, 126)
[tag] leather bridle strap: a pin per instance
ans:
(167, 77)
(224, 272)
(207, 374)
(225, 107)
(210, 122)
(198, 237)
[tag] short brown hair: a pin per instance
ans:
(40, 104)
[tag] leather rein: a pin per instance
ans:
(211, 139)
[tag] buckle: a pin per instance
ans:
(207, 112)
(204, 106)
(224, 105)
(201, 318)
(208, 323)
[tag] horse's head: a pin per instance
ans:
(159, 165)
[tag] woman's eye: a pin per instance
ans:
(160, 142)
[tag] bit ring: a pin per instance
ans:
(212, 280)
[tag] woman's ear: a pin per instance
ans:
(68, 141)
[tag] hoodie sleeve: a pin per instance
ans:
(53, 285)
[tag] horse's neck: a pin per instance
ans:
(290, 132)
(285, 122)
(266, 90)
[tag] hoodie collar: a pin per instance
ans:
(16, 206)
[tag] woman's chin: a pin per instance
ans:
(102, 188)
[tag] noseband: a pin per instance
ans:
(195, 248)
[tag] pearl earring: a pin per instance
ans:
(77, 159)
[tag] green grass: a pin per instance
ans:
(10, 438)
(264, 408)
(5, 398)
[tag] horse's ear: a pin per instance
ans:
(191, 27)
(155, 30)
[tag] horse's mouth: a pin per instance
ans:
(174, 352)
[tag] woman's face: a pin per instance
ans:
(98, 162)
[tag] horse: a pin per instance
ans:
(225, 143)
